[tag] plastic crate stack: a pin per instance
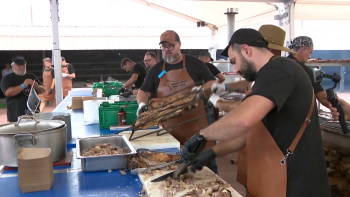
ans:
(109, 89)
(108, 113)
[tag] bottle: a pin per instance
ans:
(121, 117)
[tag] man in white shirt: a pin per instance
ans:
(7, 70)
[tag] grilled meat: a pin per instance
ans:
(103, 149)
(147, 159)
(162, 109)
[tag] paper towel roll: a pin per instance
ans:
(91, 111)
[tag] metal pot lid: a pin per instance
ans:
(52, 116)
(31, 126)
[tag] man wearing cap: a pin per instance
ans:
(206, 58)
(285, 155)
(176, 72)
(68, 74)
(16, 87)
(138, 75)
(150, 60)
(275, 37)
(304, 47)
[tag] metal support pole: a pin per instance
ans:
(289, 23)
(342, 74)
(56, 56)
(286, 18)
(231, 12)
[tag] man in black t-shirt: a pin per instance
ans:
(138, 75)
(281, 99)
(304, 47)
(174, 73)
(150, 60)
(16, 87)
(206, 58)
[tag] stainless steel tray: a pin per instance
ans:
(105, 162)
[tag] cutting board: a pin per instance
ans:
(153, 141)
(205, 175)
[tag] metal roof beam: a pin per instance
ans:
(172, 12)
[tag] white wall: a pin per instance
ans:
(326, 34)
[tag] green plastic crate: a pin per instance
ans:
(97, 85)
(108, 113)
(112, 88)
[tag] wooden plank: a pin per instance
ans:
(153, 141)
(205, 175)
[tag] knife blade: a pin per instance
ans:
(141, 170)
(163, 177)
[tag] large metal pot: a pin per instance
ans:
(57, 116)
(32, 134)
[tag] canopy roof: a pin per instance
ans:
(137, 24)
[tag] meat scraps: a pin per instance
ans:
(170, 187)
(104, 149)
(122, 172)
(215, 188)
(146, 159)
(161, 109)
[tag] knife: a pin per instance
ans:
(183, 167)
(141, 170)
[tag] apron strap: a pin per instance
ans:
(183, 61)
(163, 66)
(303, 127)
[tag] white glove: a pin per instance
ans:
(141, 108)
(213, 99)
(64, 74)
(196, 89)
(218, 88)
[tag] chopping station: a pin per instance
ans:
(76, 175)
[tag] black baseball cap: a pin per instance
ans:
(63, 59)
(250, 37)
(19, 60)
(206, 54)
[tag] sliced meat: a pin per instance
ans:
(162, 109)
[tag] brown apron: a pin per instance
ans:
(47, 81)
(242, 162)
(267, 166)
(170, 82)
(66, 81)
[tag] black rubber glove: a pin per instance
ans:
(121, 91)
(193, 147)
(203, 159)
(50, 91)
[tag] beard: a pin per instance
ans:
(172, 58)
(20, 73)
(247, 70)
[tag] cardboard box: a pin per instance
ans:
(86, 98)
(94, 92)
(35, 171)
(77, 102)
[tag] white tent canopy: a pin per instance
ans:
(137, 24)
